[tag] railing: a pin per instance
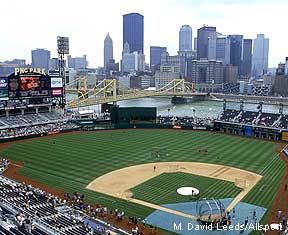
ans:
(15, 209)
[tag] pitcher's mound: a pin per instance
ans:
(188, 191)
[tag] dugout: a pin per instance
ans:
(133, 115)
(107, 108)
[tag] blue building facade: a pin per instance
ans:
(133, 31)
(40, 59)
(246, 58)
(155, 54)
(236, 50)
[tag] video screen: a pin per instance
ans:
(30, 83)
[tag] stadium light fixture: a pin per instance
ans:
(63, 45)
(62, 49)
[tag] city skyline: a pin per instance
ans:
(87, 25)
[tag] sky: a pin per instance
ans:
(30, 24)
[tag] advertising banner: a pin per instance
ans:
(248, 130)
(285, 135)
(53, 132)
(3, 88)
(3, 83)
(57, 92)
(56, 82)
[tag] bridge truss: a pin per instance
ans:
(108, 91)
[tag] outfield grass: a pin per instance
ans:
(162, 189)
(72, 161)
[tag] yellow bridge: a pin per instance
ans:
(107, 91)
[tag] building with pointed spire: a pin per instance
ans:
(126, 48)
(108, 50)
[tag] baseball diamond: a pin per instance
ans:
(115, 169)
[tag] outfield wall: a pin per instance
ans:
(161, 126)
(229, 128)
(99, 127)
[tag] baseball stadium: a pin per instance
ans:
(135, 170)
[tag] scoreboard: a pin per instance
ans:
(27, 87)
(29, 83)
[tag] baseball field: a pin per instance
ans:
(74, 161)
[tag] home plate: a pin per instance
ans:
(186, 191)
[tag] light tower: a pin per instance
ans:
(62, 48)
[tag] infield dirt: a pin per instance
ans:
(119, 182)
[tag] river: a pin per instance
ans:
(198, 109)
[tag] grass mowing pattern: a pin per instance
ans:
(266, 189)
(75, 160)
(162, 189)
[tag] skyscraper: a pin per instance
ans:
(133, 31)
(77, 62)
(260, 55)
(195, 44)
(212, 43)
(40, 59)
(206, 72)
(54, 64)
(185, 38)
(132, 61)
(108, 50)
(155, 55)
(223, 49)
(236, 50)
(177, 61)
(203, 36)
(286, 66)
(246, 65)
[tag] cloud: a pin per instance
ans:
(37, 23)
